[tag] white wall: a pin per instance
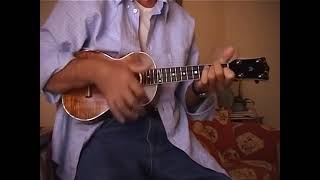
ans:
(254, 28)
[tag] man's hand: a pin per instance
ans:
(117, 81)
(216, 78)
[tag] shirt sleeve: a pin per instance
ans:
(63, 33)
(207, 108)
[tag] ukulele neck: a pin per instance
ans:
(172, 74)
(252, 69)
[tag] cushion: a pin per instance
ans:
(256, 141)
(216, 133)
(249, 171)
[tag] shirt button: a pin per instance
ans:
(135, 10)
(128, 6)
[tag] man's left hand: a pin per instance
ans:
(216, 78)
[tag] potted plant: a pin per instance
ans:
(239, 102)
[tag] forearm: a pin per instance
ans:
(78, 73)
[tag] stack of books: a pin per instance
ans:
(243, 115)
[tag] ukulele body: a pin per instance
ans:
(87, 104)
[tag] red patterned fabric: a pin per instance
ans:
(245, 150)
(243, 171)
(214, 133)
(218, 131)
(255, 142)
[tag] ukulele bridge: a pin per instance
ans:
(89, 94)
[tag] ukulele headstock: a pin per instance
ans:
(255, 69)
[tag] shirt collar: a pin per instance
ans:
(159, 6)
(119, 1)
(162, 7)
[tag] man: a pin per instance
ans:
(134, 143)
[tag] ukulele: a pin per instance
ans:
(87, 104)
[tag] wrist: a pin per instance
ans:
(198, 93)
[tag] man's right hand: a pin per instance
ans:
(117, 81)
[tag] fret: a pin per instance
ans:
(191, 76)
(184, 73)
(195, 72)
(189, 73)
(148, 77)
(178, 73)
(170, 74)
(163, 75)
(155, 76)
(151, 76)
(199, 72)
(192, 72)
(159, 74)
(181, 73)
(143, 78)
(173, 74)
(166, 74)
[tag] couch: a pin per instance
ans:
(248, 151)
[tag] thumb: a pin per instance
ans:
(139, 62)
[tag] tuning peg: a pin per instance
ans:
(240, 75)
(261, 75)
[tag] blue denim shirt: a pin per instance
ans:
(112, 26)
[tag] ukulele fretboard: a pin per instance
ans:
(173, 74)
